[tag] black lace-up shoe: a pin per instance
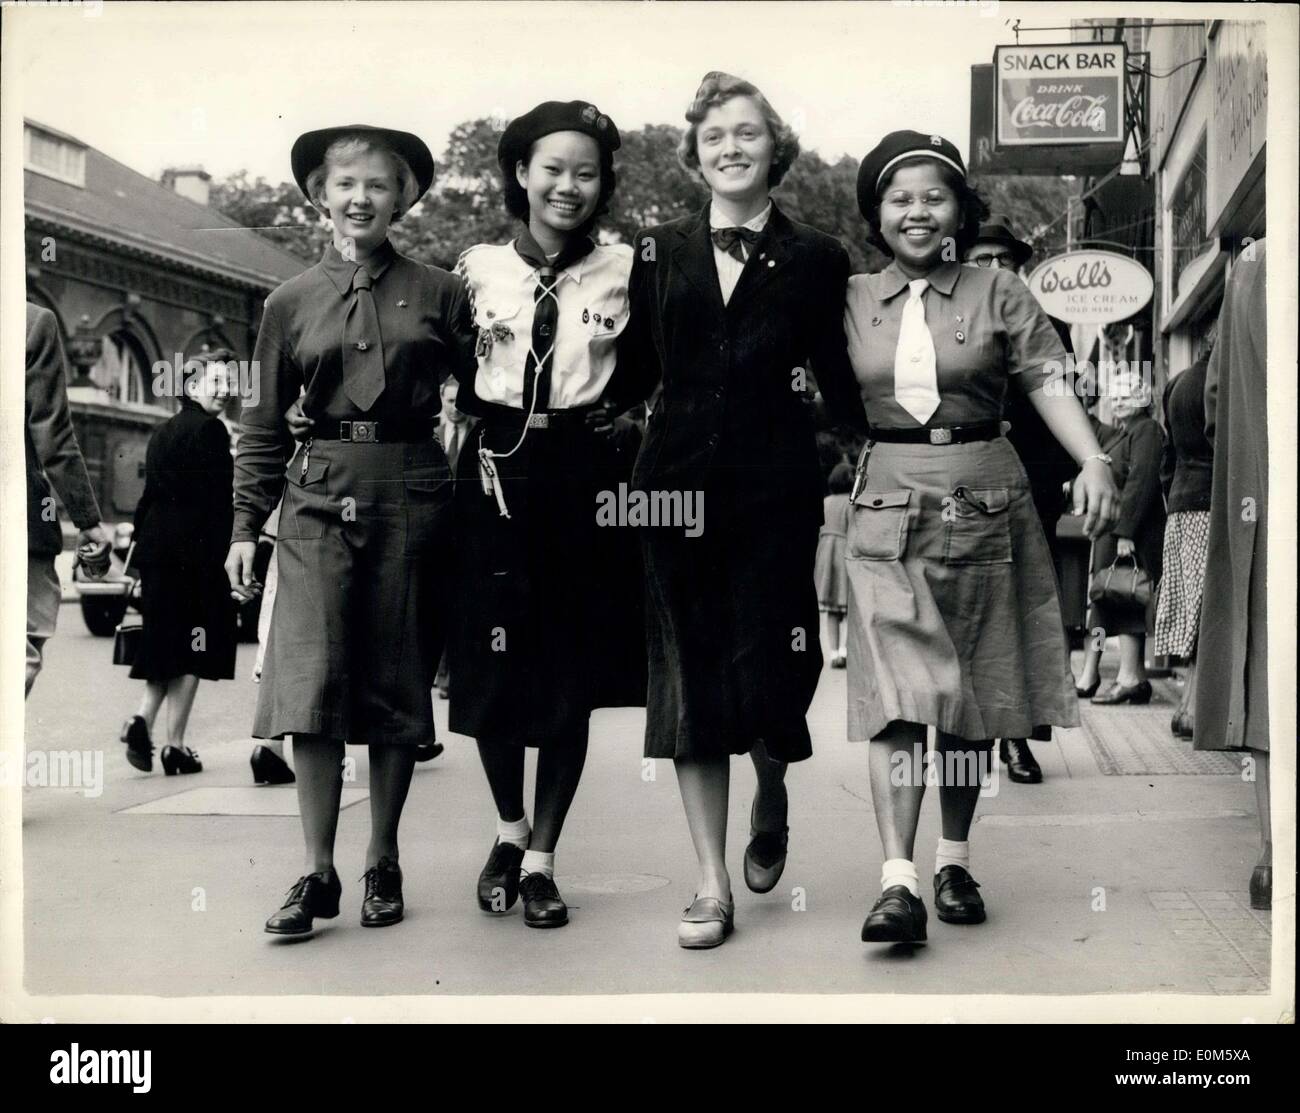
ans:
(383, 902)
(498, 884)
(317, 894)
(543, 905)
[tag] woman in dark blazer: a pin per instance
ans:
(734, 310)
(1139, 532)
(182, 523)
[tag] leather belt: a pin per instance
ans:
(550, 419)
(947, 434)
(374, 432)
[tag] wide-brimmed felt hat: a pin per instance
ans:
(551, 116)
(893, 149)
(997, 229)
(310, 147)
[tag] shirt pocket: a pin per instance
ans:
(878, 525)
(306, 509)
(979, 526)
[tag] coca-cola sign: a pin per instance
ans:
(1060, 95)
(1091, 287)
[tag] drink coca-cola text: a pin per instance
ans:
(1079, 111)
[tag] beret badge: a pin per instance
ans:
(589, 114)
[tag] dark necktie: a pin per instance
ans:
(730, 240)
(546, 315)
(363, 347)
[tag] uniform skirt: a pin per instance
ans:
(550, 603)
(829, 572)
(954, 619)
(1178, 615)
(355, 638)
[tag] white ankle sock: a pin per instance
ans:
(952, 853)
(516, 831)
(536, 861)
(900, 871)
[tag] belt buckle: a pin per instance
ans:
(941, 436)
(539, 421)
(364, 432)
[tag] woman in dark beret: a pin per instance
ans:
(737, 313)
(551, 623)
(368, 335)
(953, 615)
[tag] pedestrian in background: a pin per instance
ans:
(454, 430)
(730, 306)
(182, 525)
(954, 620)
(54, 463)
(829, 570)
(1138, 535)
(369, 334)
(1232, 713)
(1186, 466)
(267, 759)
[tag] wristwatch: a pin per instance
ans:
(1104, 457)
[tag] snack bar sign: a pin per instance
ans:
(1060, 95)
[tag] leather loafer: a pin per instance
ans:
(1261, 888)
(180, 759)
(956, 897)
(427, 751)
(498, 884)
(897, 917)
(139, 749)
(765, 856)
(269, 768)
(383, 903)
(1119, 693)
(1022, 766)
(543, 905)
(317, 894)
(706, 923)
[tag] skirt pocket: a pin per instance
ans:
(978, 526)
(306, 499)
(878, 526)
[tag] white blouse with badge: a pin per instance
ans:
(593, 311)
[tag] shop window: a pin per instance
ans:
(122, 371)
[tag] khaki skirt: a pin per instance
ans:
(954, 619)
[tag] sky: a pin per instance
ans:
(229, 86)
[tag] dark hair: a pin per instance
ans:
(197, 365)
(517, 197)
(971, 205)
(841, 479)
(716, 89)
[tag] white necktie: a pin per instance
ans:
(916, 380)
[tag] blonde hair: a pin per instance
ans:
(351, 146)
(716, 89)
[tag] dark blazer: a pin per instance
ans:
(54, 460)
(726, 666)
(1188, 458)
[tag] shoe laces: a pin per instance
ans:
(297, 893)
(537, 886)
(382, 882)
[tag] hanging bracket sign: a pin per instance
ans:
(1091, 287)
(1063, 95)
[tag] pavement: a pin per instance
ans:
(1112, 876)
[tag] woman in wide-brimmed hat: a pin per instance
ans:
(954, 621)
(368, 335)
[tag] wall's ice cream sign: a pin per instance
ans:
(1091, 287)
(1059, 95)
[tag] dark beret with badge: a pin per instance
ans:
(893, 149)
(310, 147)
(551, 116)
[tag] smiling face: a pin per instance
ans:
(361, 195)
(919, 214)
(562, 181)
(735, 149)
(211, 388)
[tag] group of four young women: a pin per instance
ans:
(721, 321)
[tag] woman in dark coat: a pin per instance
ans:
(1139, 532)
(730, 309)
(182, 523)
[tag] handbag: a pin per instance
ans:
(126, 639)
(1122, 587)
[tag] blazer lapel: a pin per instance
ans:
(771, 254)
(693, 253)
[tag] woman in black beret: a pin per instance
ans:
(954, 621)
(550, 625)
(368, 335)
(737, 312)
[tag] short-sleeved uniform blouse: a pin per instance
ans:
(986, 326)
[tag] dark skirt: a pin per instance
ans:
(549, 605)
(189, 623)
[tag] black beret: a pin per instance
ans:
(550, 116)
(310, 147)
(891, 150)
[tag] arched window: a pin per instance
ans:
(122, 370)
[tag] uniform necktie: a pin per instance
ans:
(916, 381)
(363, 347)
(546, 315)
(453, 443)
(731, 239)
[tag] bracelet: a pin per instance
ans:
(1102, 456)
